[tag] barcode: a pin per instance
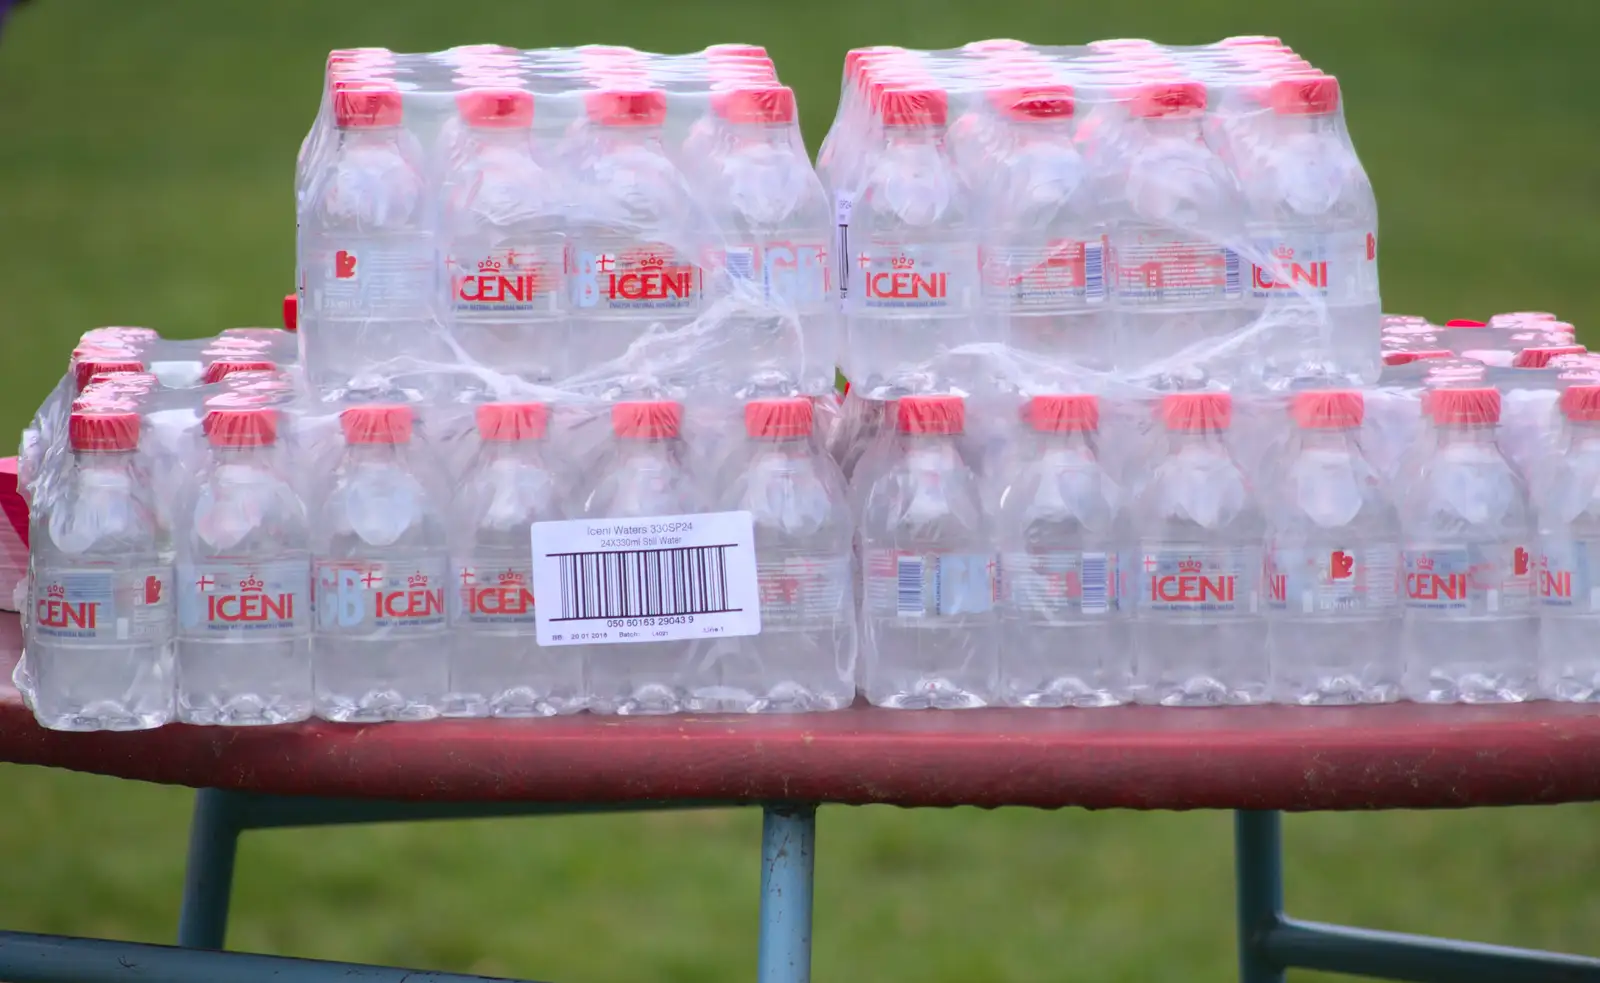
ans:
(741, 262)
(1094, 271)
(644, 583)
(1092, 576)
(908, 587)
(1230, 263)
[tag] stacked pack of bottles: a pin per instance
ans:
(1126, 423)
(1117, 430)
(561, 319)
(1172, 215)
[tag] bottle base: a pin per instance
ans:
(375, 708)
(930, 694)
(649, 700)
(1204, 691)
(1066, 693)
(1336, 691)
(516, 703)
(244, 712)
(93, 721)
(1472, 689)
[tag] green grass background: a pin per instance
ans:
(146, 150)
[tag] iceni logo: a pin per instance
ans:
(1425, 585)
(509, 594)
(1190, 586)
(1554, 584)
(417, 600)
(1314, 275)
(251, 604)
(54, 610)
(490, 286)
(905, 282)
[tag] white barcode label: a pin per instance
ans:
(650, 579)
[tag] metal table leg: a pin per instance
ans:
(208, 881)
(1258, 865)
(788, 851)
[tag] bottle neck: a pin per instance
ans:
(1196, 440)
(103, 460)
(758, 134)
(370, 136)
(368, 455)
(1467, 435)
(1327, 438)
(1175, 128)
(243, 456)
(1057, 444)
(508, 452)
(631, 137)
(911, 136)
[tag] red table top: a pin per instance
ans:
(1398, 756)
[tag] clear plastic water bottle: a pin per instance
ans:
(1062, 642)
(1199, 636)
(914, 276)
(1569, 536)
(635, 233)
(1470, 630)
(773, 214)
(1333, 554)
(366, 248)
(99, 637)
(497, 668)
(804, 658)
(928, 565)
(1178, 220)
(503, 240)
(1044, 233)
(1314, 227)
(645, 478)
(244, 581)
(382, 568)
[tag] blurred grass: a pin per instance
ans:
(145, 159)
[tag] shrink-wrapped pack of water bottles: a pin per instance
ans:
(558, 430)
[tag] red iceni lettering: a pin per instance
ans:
(503, 599)
(492, 288)
(1555, 584)
(652, 284)
(903, 285)
(54, 613)
(410, 603)
(253, 606)
(1192, 588)
(1433, 587)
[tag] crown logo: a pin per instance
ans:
(252, 582)
(1189, 566)
(510, 577)
(1284, 252)
(489, 266)
(1424, 563)
(652, 263)
(902, 262)
(418, 579)
(56, 591)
